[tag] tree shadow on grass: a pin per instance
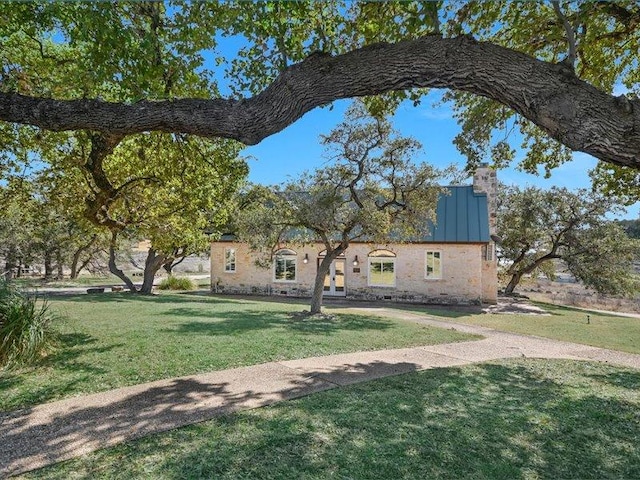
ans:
(127, 297)
(235, 323)
(483, 422)
(512, 420)
(9, 380)
(34, 437)
(70, 372)
(73, 345)
(625, 379)
(561, 310)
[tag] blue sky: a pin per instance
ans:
(297, 148)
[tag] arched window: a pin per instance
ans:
(284, 265)
(382, 268)
(323, 253)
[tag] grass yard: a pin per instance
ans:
(83, 281)
(92, 281)
(517, 419)
(113, 340)
(564, 323)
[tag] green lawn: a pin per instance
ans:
(91, 280)
(564, 323)
(113, 340)
(83, 281)
(517, 419)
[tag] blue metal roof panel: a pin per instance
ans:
(462, 216)
(464, 206)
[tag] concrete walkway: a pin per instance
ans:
(49, 433)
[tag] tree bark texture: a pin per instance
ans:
(113, 267)
(318, 285)
(48, 265)
(513, 283)
(517, 271)
(550, 95)
(323, 270)
(76, 266)
(59, 265)
(171, 263)
(152, 264)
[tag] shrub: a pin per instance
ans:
(176, 283)
(25, 327)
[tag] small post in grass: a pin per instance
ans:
(588, 319)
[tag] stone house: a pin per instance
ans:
(455, 265)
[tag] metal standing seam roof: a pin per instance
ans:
(462, 216)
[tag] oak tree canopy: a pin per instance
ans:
(552, 71)
(372, 190)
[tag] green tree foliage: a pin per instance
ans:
(599, 34)
(165, 188)
(619, 181)
(538, 226)
(132, 52)
(16, 226)
(77, 79)
(39, 226)
(372, 191)
(600, 31)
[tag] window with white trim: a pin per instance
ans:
(382, 268)
(230, 260)
(433, 265)
(284, 266)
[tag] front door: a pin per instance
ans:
(334, 284)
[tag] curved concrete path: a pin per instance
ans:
(49, 433)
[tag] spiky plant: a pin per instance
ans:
(26, 333)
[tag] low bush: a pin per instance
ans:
(176, 283)
(26, 333)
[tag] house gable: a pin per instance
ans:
(461, 217)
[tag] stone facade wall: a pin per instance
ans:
(485, 180)
(463, 279)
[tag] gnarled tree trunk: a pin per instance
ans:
(152, 264)
(550, 95)
(8, 270)
(76, 265)
(323, 270)
(517, 271)
(113, 267)
(513, 282)
(171, 264)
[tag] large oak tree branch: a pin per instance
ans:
(550, 95)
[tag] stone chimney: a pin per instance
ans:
(486, 181)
